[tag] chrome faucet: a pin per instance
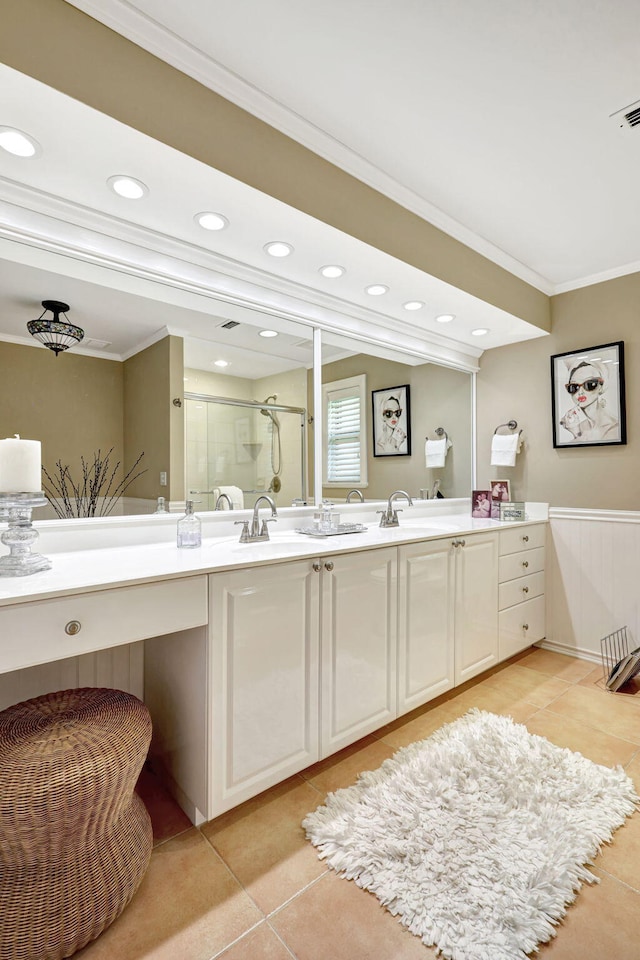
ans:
(220, 498)
(389, 516)
(358, 494)
(257, 532)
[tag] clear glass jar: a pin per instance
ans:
(189, 528)
(326, 519)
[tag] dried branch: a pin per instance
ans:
(94, 494)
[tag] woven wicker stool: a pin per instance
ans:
(75, 840)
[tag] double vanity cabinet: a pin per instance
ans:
(253, 670)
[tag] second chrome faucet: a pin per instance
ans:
(389, 516)
(257, 532)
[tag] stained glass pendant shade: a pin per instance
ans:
(56, 334)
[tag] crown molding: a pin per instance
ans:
(60, 227)
(602, 277)
(147, 33)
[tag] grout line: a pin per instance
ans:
(295, 896)
(285, 945)
(612, 876)
(238, 939)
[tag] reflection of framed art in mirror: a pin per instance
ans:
(391, 422)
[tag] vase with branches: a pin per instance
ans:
(95, 493)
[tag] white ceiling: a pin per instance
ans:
(491, 121)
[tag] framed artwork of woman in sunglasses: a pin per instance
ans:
(391, 422)
(587, 396)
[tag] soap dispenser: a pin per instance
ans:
(189, 528)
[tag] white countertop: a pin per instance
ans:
(103, 567)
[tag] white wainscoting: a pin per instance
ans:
(121, 668)
(593, 579)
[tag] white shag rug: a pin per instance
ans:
(477, 837)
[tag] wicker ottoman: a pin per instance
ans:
(75, 840)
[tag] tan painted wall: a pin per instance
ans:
(439, 397)
(158, 100)
(152, 379)
(71, 403)
(515, 382)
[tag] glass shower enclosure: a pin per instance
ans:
(243, 449)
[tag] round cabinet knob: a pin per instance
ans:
(317, 566)
(525, 563)
(525, 626)
(73, 627)
(329, 565)
(526, 539)
(525, 589)
(462, 543)
(455, 543)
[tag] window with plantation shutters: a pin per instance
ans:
(345, 432)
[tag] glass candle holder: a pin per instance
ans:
(20, 536)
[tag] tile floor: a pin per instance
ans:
(248, 886)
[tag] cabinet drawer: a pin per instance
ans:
(517, 591)
(522, 538)
(520, 626)
(35, 632)
(521, 564)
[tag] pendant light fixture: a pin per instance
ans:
(56, 334)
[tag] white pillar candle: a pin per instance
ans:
(20, 466)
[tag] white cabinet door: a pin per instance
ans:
(358, 645)
(264, 634)
(476, 613)
(426, 598)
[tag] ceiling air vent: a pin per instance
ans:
(96, 344)
(230, 324)
(628, 118)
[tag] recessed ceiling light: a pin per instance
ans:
(332, 271)
(268, 333)
(413, 305)
(479, 332)
(128, 187)
(278, 249)
(376, 289)
(211, 221)
(18, 143)
(445, 318)
(221, 363)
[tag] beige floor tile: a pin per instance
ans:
(622, 856)
(609, 712)
(600, 925)
(342, 769)
(524, 684)
(188, 906)
(596, 680)
(594, 744)
(556, 665)
(495, 699)
(632, 769)
(261, 944)
(336, 920)
(265, 846)
(421, 726)
(167, 819)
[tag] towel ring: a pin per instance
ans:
(440, 432)
(511, 425)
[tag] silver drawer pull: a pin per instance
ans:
(329, 565)
(317, 566)
(525, 563)
(526, 539)
(525, 589)
(525, 626)
(73, 627)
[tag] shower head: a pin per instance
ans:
(267, 413)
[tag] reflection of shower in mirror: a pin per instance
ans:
(245, 444)
(276, 447)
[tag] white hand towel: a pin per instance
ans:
(435, 452)
(504, 448)
(236, 496)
